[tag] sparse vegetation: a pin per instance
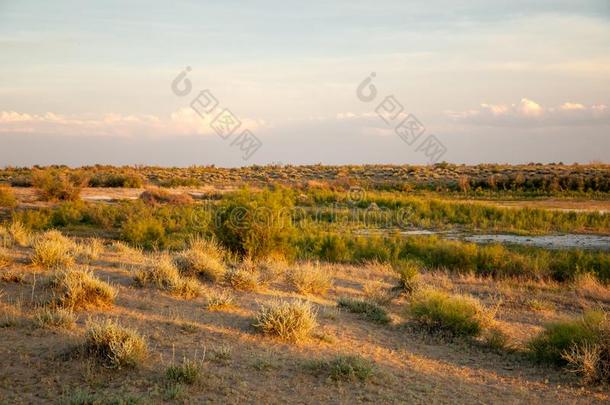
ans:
(348, 250)
(343, 368)
(287, 320)
(186, 372)
(369, 310)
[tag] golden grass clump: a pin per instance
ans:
(7, 197)
(309, 278)
(287, 320)
(163, 274)
(52, 250)
(90, 250)
(114, 345)
(377, 292)
(135, 254)
(80, 289)
(203, 258)
(589, 286)
(15, 234)
(55, 317)
(243, 277)
(216, 300)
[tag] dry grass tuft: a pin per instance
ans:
(90, 250)
(244, 277)
(289, 320)
(163, 274)
(309, 278)
(124, 249)
(378, 292)
(202, 258)
(270, 269)
(79, 289)
(217, 300)
(186, 372)
(114, 345)
(15, 234)
(55, 318)
(52, 250)
(589, 286)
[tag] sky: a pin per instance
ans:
(283, 82)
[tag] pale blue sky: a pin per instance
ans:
(511, 81)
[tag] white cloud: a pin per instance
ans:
(530, 113)
(184, 121)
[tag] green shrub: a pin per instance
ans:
(114, 345)
(369, 310)
(559, 337)
(53, 185)
(292, 321)
(457, 315)
(343, 368)
(187, 372)
(126, 179)
(408, 275)
(255, 224)
(148, 233)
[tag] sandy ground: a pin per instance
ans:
(411, 366)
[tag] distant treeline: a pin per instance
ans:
(532, 178)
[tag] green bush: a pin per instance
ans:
(148, 233)
(408, 275)
(559, 337)
(454, 314)
(255, 224)
(54, 184)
